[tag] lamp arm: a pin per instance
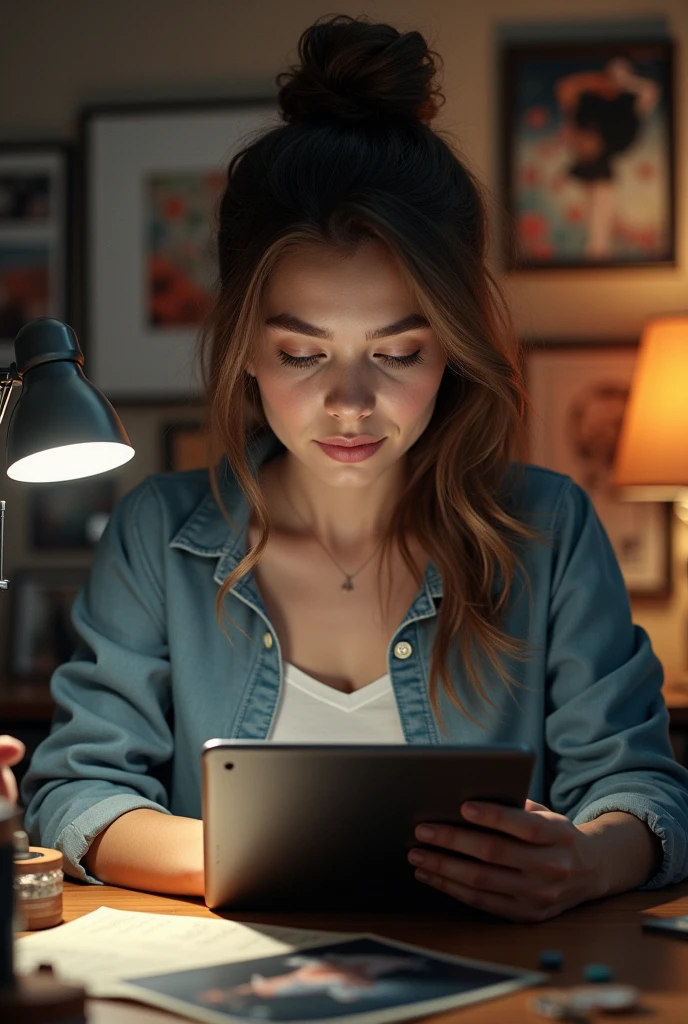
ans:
(8, 379)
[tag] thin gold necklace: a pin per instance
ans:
(347, 585)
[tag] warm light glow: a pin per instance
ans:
(652, 452)
(71, 462)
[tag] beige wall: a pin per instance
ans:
(56, 55)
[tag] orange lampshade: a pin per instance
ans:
(652, 453)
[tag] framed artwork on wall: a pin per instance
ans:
(578, 393)
(588, 154)
(35, 236)
(42, 636)
(154, 175)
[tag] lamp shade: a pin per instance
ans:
(652, 453)
(62, 427)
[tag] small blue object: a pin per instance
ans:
(598, 972)
(551, 959)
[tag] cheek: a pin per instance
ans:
(284, 400)
(416, 399)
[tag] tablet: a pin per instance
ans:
(329, 827)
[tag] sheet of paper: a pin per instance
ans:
(99, 948)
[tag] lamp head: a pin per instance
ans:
(651, 462)
(62, 427)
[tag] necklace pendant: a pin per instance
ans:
(347, 584)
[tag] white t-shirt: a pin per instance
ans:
(312, 712)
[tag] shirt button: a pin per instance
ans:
(403, 649)
(267, 640)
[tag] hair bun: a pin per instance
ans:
(351, 68)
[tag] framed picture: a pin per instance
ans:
(35, 236)
(578, 394)
(588, 154)
(185, 446)
(42, 636)
(154, 175)
(70, 515)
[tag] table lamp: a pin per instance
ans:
(61, 428)
(651, 461)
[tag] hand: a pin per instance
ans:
(541, 865)
(11, 752)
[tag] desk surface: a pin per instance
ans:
(606, 931)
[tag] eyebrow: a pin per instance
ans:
(293, 323)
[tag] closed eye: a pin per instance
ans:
(307, 361)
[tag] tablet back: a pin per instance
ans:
(329, 827)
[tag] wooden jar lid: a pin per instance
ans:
(38, 860)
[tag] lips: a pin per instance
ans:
(351, 452)
(353, 442)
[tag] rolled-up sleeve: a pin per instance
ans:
(110, 727)
(607, 726)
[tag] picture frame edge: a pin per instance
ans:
(532, 345)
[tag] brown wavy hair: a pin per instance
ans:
(356, 160)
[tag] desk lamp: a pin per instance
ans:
(61, 428)
(652, 454)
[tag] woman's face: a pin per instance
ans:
(346, 387)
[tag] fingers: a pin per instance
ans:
(503, 851)
(475, 874)
(12, 750)
(524, 827)
(525, 871)
(509, 907)
(8, 785)
(540, 827)
(492, 902)
(520, 869)
(548, 850)
(531, 805)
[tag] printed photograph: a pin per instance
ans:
(362, 975)
(588, 151)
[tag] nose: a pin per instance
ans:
(349, 394)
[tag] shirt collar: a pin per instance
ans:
(207, 533)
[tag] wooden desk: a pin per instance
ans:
(607, 931)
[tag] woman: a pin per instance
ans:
(355, 305)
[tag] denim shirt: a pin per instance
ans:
(154, 676)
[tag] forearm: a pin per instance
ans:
(145, 849)
(627, 851)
